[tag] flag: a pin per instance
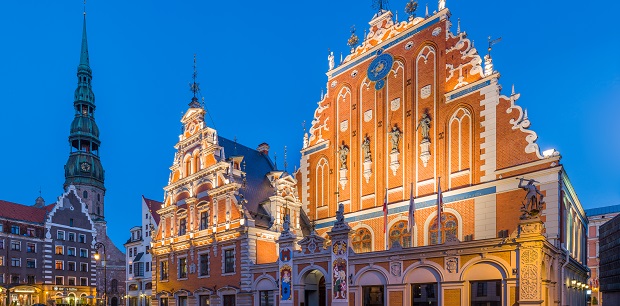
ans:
(385, 212)
(411, 210)
(439, 211)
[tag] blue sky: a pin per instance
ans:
(261, 68)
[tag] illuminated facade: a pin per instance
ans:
(414, 105)
(223, 209)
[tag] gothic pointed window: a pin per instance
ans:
(362, 241)
(449, 228)
(399, 233)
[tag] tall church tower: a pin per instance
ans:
(83, 169)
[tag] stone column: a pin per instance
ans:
(529, 262)
(339, 263)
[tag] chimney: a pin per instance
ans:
(263, 148)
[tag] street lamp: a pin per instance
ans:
(98, 246)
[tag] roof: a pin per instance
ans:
(153, 207)
(25, 213)
(257, 166)
(605, 210)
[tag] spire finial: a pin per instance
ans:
(380, 5)
(84, 60)
(285, 163)
(458, 26)
(194, 87)
(426, 10)
(275, 160)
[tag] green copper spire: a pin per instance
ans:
(84, 62)
(84, 166)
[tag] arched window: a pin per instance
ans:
(133, 287)
(398, 232)
(148, 286)
(362, 241)
(196, 162)
(188, 166)
(449, 227)
(322, 186)
(114, 286)
(85, 194)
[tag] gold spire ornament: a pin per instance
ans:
(410, 8)
(353, 40)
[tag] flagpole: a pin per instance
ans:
(385, 217)
(411, 214)
(439, 212)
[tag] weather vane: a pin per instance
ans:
(380, 5)
(493, 42)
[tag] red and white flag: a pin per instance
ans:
(385, 212)
(411, 210)
(439, 211)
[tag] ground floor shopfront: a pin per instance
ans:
(526, 270)
(27, 295)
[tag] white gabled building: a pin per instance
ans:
(138, 256)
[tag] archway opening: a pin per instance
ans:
(314, 289)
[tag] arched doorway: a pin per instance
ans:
(114, 301)
(314, 289)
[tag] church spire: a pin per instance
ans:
(84, 61)
(83, 168)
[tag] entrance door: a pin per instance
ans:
(314, 289)
(114, 301)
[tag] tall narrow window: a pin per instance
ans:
(163, 270)
(182, 226)
(459, 147)
(204, 220)
(204, 265)
(229, 261)
(183, 267)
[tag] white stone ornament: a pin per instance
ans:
(344, 125)
(395, 104)
(425, 91)
(368, 115)
(334, 83)
(409, 45)
(436, 31)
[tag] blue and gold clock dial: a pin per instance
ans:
(380, 67)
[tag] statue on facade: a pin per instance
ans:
(330, 60)
(342, 155)
(425, 125)
(533, 200)
(340, 213)
(366, 148)
(395, 138)
(286, 225)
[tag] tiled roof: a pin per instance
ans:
(16, 211)
(257, 166)
(605, 210)
(153, 207)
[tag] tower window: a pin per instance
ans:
(85, 194)
(98, 211)
(98, 197)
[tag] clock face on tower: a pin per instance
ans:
(85, 166)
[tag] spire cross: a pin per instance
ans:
(285, 163)
(194, 86)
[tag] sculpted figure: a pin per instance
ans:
(533, 198)
(395, 138)
(425, 125)
(340, 213)
(342, 155)
(366, 148)
(330, 59)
